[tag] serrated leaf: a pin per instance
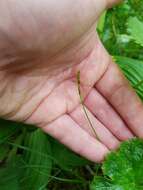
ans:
(100, 183)
(135, 27)
(115, 29)
(38, 161)
(123, 169)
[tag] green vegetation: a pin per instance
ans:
(123, 170)
(31, 160)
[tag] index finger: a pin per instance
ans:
(117, 90)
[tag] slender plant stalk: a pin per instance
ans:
(83, 106)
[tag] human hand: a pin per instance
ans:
(43, 46)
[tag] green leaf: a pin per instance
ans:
(7, 129)
(135, 27)
(123, 170)
(38, 162)
(4, 149)
(65, 158)
(133, 70)
(101, 22)
(8, 179)
(115, 35)
(100, 183)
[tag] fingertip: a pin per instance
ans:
(126, 135)
(99, 155)
(103, 155)
(94, 150)
(114, 145)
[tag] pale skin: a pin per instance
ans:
(43, 46)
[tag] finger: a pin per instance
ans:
(103, 134)
(70, 134)
(118, 92)
(99, 106)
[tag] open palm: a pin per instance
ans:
(40, 78)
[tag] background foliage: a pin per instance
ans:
(31, 160)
